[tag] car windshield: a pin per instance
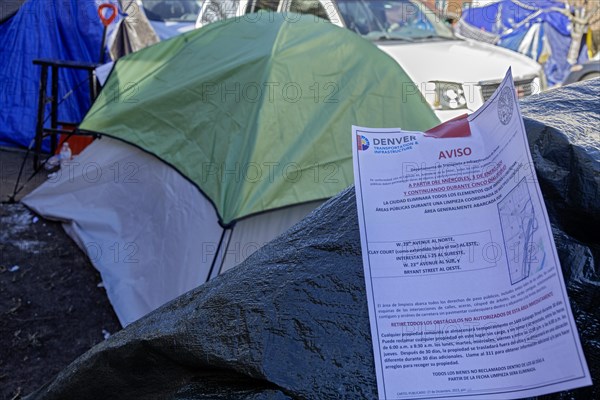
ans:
(393, 19)
(172, 10)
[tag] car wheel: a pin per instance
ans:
(589, 76)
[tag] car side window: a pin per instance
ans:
(313, 7)
(256, 6)
(171, 10)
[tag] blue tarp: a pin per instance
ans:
(57, 29)
(534, 28)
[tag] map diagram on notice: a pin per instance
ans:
(518, 222)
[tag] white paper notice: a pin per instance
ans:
(466, 295)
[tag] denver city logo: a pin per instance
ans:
(393, 145)
(362, 142)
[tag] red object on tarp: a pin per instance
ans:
(76, 142)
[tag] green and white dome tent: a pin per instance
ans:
(216, 141)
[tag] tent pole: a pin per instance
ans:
(226, 250)
(212, 265)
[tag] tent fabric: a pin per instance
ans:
(149, 232)
(141, 269)
(253, 233)
(55, 29)
(538, 29)
(146, 243)
(258, 106)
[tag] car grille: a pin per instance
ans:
(524, 88)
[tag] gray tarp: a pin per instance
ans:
(133, 32)
(291, 321)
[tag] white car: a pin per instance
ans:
(168, 17)
(454, 75)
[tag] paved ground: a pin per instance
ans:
(51, 307)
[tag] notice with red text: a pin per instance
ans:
(465, 290)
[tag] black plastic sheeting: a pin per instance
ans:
(291, 322)
(8, 8)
